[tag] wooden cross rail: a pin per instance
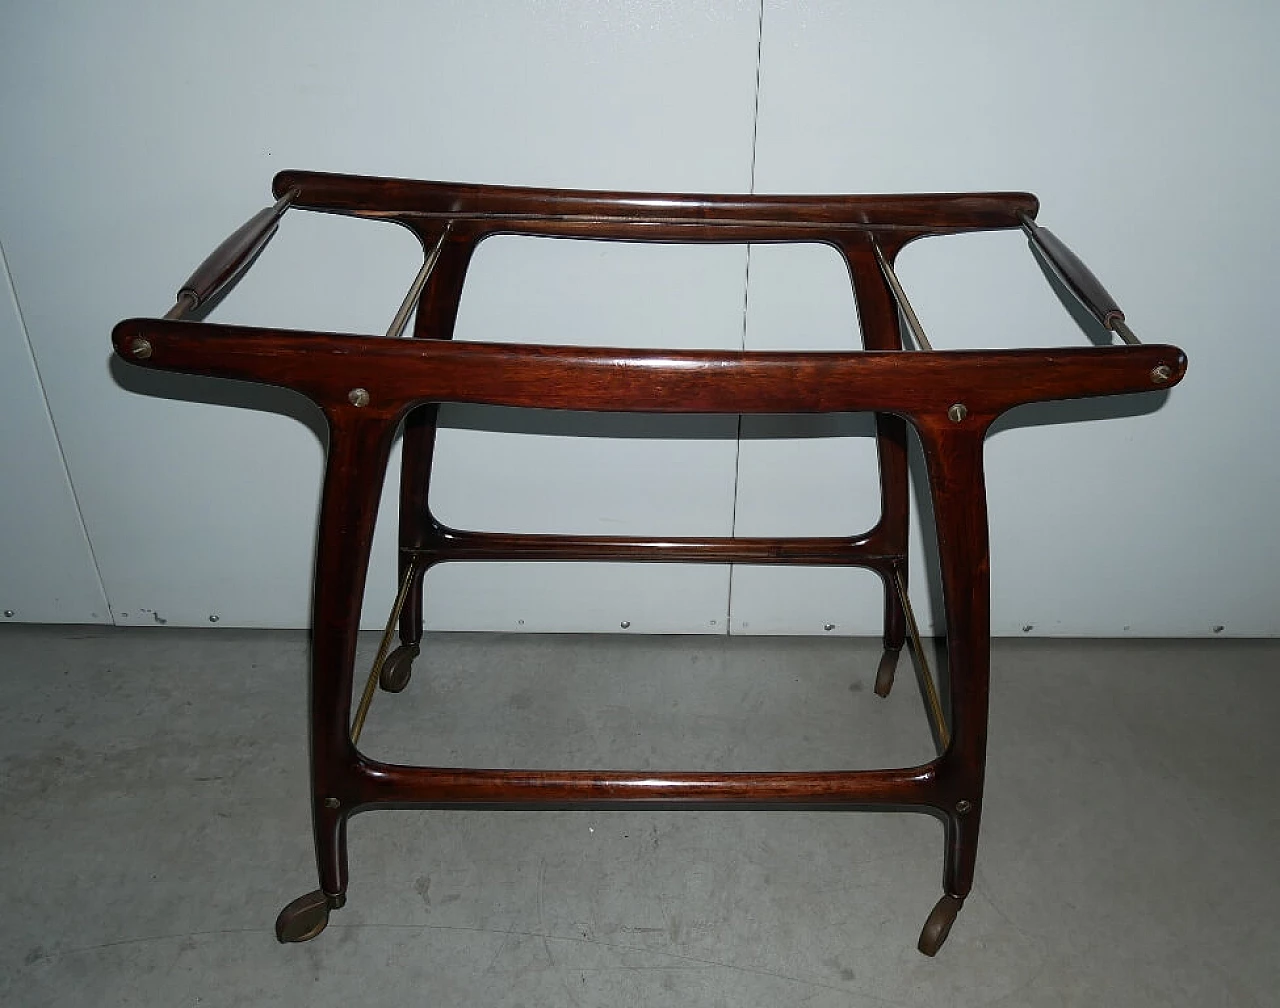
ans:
(368, 385)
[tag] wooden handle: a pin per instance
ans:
(236, 252)
(1087, 287)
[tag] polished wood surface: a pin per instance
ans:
(399, 374)
(652, 216)
(1087, 287)
(368, 385)
(221, 267)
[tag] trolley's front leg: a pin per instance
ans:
(953, 454)
(359, 441)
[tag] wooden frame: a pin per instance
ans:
(368, 385)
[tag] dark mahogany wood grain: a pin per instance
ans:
(400, 373)
(236, 252)
(385, 783)
(454, 544)
(368, 385)
(1087, 287)
(654, 216)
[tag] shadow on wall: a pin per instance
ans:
(219, 392)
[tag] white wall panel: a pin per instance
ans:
(138, 134)
(590, 473)
(804, 475)
(47, 573)
(1147, 131)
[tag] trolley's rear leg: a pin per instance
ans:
(891, 440)
(437, 314)
(894, 637)
(417, 450)
(878, 319)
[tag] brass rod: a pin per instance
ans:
(285, 201)
(384, 648)
(185, 302)
(420, 281)
(900, 295)
(1124, 332)
(926, 674)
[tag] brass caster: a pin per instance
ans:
(938, 926)
(306, 916)
(398, 668)
(884, 675)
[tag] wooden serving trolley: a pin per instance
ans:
(368, 385)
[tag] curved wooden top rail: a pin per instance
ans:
(397, 374)
(870, 229)
(654, 216)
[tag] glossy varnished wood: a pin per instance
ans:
(381, 783)
(399, 374)
(653, 216)
(368, 385)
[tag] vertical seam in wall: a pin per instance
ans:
(746, 289)
(53, 425)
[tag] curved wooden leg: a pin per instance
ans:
(416, 526)
(961, 856)
(417, 449)
(884, 674)
(354, 468)
(435, 320)
(895, 631)
(411, 616)
(953, 454)
(308, 915)
(895, 507)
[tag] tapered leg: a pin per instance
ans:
(417, 451)
(358, 446)
(878, 319)
(891, 448)
(436, 317)
(953, 455)
(416, 528)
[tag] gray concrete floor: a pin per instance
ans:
(155, 820)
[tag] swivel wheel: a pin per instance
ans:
(884, 674)
(938, 926)
(398, 668)
(306, 916)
